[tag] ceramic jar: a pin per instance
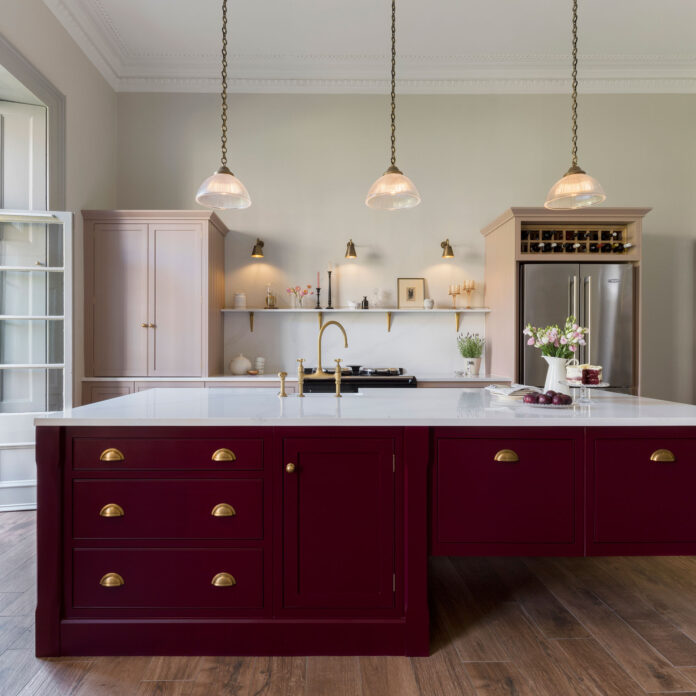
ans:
(472, 367)
(240, 365)
(428, 303)
(240, 300)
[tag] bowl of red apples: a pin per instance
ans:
(550, 399)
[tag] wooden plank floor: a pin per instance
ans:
(500, 627)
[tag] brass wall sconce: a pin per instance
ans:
(257, 251)
(447, 252)
(350, 250)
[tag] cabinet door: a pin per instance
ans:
(120, 307)
(644, 492)
(494, 493)
(176, 300)
(100, 391)
(339, 523)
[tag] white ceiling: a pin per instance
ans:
(448, 46)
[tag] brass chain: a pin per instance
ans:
(223, 139)
(575, 84)
(393, 84)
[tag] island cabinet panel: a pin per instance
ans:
(339, 523)
(125, 453)
(511, 493)
(641, 487)
(168, 578)
(162, 509)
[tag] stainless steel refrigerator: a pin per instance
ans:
(601, 296)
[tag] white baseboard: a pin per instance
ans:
(17, 507)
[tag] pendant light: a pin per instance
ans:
(575, 189)
(223, 189)
(393, 190)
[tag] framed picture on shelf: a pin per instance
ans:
(410, 293)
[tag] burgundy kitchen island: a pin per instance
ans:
(231, 521)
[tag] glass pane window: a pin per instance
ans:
(31, 341)
(30, 244)
(31, 390)
(31, 293)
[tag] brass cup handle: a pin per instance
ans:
(506, 455)
(290, 468)
(223, 510)
(112, 510)
(111, 455)
(223, 580)
(662, 455)
(112, 580)
(224, 455)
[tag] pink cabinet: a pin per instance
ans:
(338, 523)
(154, 287)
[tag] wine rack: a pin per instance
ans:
(562, 240)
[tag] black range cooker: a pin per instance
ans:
(355, 377)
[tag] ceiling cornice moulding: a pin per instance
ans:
(495, 73)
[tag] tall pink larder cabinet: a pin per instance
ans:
(154, 287)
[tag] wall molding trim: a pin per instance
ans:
(126, 70)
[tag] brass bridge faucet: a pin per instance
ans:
(320, 371)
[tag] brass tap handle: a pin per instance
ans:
(300, 376)
(282, 376)
(337, 377)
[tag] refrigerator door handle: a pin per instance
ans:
(574, 281)
(588, 316)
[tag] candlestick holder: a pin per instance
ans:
(318, 304)
(453, 291)
(328, 306)
(468, 287)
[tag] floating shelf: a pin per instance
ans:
(344, 310)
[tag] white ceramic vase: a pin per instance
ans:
(555, 375)
(240, 365)
(472, 366)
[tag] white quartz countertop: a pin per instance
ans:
(374, 407)
(292, 377)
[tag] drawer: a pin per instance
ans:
(120, 453)
(167, 578)
(162, 509)
(637, 499)
(481, 500)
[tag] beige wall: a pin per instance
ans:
(90, 119)
(309, 160)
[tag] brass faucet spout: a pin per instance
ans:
(320, 371)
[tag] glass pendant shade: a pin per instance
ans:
(575, 190)
(223, 191)
(393, 191)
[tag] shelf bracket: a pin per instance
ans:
(320, 316)
(389, 317)
(251, 322)
(457, 317)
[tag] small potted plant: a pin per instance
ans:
(558, 346)
(471, 347)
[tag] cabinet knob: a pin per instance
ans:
(223, 510)
(223, 580)
(290, 468)
(224, 455)
(111, 455)
(112, 580)
(112, 510)
(662, 455)
(506, 455)
(153, 326)
(144, 325)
